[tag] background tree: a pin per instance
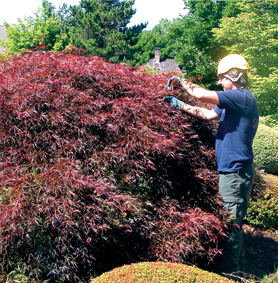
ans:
(254, 33)
(191, 38)
(100, 27)
(41, 30)
(144, 50)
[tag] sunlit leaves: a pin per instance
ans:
(254, 33)
(40, 31)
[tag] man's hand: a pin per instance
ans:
(172, 82)
(173, 101)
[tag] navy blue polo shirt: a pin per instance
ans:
(238, 112)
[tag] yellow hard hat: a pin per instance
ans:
(232, 61)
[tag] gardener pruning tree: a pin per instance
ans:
(237, 111)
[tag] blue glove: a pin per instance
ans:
(172, 82)
(173, 101)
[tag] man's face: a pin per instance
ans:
(226, 83)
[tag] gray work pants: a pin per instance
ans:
(235, 189)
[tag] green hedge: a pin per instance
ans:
(159, 272)
(270, 121)
(265, 148)
(263, 208)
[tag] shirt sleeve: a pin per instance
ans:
(218, 111)
(231, 99)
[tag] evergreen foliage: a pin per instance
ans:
(270, 121)
(96, 171)
(159, 272)
(158, 37)
(189, 40)
(265, 148)
(100, 28)
(263, 210)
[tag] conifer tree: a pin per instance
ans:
(100, 27)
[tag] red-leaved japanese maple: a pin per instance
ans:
(96, 171)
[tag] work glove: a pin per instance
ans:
(172, 82)
(173, 101)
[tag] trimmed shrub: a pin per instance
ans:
(265, 148)
(159, 272)
(263, 208)
(96, 171)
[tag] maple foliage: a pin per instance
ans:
(97, 171)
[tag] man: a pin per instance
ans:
(237, 110)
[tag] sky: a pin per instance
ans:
(151, 11)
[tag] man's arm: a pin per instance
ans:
(199, 112)
(200, 93)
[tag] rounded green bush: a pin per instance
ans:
(159, 272)
(265, 148)
(263, 209)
